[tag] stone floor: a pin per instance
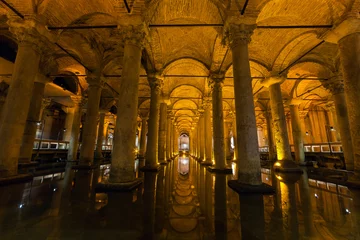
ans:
(182, 201)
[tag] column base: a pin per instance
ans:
(105, 187)
(213, 169)
(242, 188)
(20, 178)
(150, 168)
(205, 163)
(287, 166)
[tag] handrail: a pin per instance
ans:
(60, 145)
(331, 147)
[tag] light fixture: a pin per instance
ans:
(316, 195)
(21, 206)
(307, 133)
(347, 211)
(332, 128)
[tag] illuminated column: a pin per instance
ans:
(143, 137)
(168, 135)
(217, 81)
(100, 135)
(33, 118)
(347, 36)
(70, 111)
(248, 158)
(202, 135)
(271, 143)
(233, 127)
(172, 137)
(297, 133)
(162, 133)
(75, 128)
(123, 154)
(92, 113)
(175, 142)
(151, 161)
(285, 161)
(207, 132)
(31, 45)
(227, 126)
(336, 87)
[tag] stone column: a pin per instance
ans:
(337, 89)
(176, 140)
(70, 112)
(331, 116)
(248, 158)
(151, 161)
(233, 127)
(31, 45)
(162, 133)
(143, 137)
(208, 136)
(218, 121)
(92, 114)
(285, 161)
(168, 136)
(271, 144)
(75, 128)
(123, 154)
(172, 137)
(297, 134)
(33, 119)
(227, 126)
(202, 135)
(100, 135)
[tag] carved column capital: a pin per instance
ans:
(94, 80)
(335, 85)
(238, 34)
(45, 103)
(303, 114)
(133, 34)
(77, 100)
(216, 80)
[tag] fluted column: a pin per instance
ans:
(75, 128)
(168, 136)
(92, 113)
(297, 134)
(248, 158)
(31, 45)
(143, 137)
(123, 154)
(218, 120)
(337, 89)
(271, 143)
(33, 118)
(153, 131)
(162, 133)
(208, 136)
(100, 135)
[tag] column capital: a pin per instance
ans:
(95, 80)
(216, 80)
(303, 113)
(133, 34)
(77, 100)
(155, 81)
(238, 34)
(32, 32)
(347, 27)
(274, 78)
(335, 85)
(45, 103)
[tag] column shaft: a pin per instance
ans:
(271, 143)
(202, 137)
(168, 138)
(143, 137)
(208, 134)
(162, 132)
(75, 129)
(279, 123)
(70, 112)
(100, 135)
(16, 107)
(90, 126)
(31, 126)
(227, 140)
(297, 134)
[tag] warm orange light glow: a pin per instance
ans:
(277, 164)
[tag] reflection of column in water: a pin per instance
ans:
(220, 210)
(209, 199)
(202, 188)
(305, 198)
(288, 205)
(167, 188)
(84, 188)
(159, 206)
(149, 205)
(252, 216)
(276, 230)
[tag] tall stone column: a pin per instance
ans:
(172, 137)
(168, 136)
(143, 137)
(234, 131)
(175, 140)
(227, 126)
(297, 133)
(271, 144)
(100, 135)
(31, 45)
(162, 133)
(218, 121)
(70, 112)
(347, 36)
(248, 158)
(151, 161)
(202, 135)
(33, 118)
(75, 128)
(123, 154)
(285, 161)
(336, 87)
(92, 113)
(208, 136)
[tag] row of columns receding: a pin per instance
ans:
(29, 84)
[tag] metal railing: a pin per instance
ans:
(332, 147)
(50, 144)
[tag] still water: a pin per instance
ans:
(182, 201)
